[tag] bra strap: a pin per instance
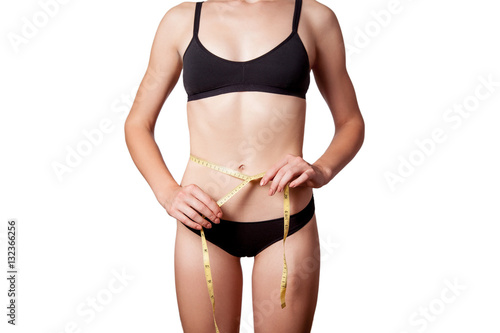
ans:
(197, 18)
(296, 14)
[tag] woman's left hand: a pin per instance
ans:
(294, 170)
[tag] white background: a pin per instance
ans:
(388, 251)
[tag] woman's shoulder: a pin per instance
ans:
(317, 14)
(180, 12)
(319, 17)
(177, 21)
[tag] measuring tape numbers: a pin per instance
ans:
(286, 212)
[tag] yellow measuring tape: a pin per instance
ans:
(286, 210)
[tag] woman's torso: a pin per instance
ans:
(248, 131)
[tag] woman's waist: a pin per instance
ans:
(252, 201)
(249, 157)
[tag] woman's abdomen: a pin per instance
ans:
(248, 132)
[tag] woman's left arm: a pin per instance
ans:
(335, 86)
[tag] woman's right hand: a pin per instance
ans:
(186, 203)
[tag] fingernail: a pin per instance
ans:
(217, 220)
(208, 226)
(219, 214)
(262, 182)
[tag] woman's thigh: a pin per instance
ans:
(195, 308)
(303, 261)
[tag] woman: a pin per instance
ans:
(246, 67)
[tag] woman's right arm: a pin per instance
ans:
(162, 74)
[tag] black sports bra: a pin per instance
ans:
(282, 70)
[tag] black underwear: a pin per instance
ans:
(247, 239)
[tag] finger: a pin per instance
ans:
(300, 180)
(287, 177)
(207, 201)
(271, 172)
(201, 208)
(184, 219)
(195, 216)
(276, 180)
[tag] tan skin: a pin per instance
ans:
(228, 130)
